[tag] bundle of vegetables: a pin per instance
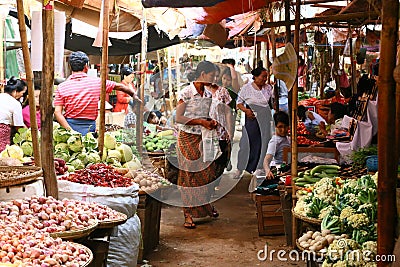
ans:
(315, 203)
(359, 157)
(349, 253)
(147, 180)
(23, 246)
(314, 175)
(160, 141)
(99, 174)
(317, 241)
(355, 210)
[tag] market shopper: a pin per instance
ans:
(10, 110)
(123, 98)
(195, 174)
(26, 113)
(253, 100)
(76, 99)
(279, 141)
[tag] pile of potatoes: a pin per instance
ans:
(148, 181)
(316, 241)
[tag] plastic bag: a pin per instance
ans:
(210, 143)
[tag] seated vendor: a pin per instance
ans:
(152, 122)
(311, 119)
(335, 117)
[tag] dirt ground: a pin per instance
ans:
(230, 240)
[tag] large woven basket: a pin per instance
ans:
(88, 251)
(75, 234)
(16, 175)
(112, 223)
(306, 219)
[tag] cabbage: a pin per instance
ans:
(61, 147)
(77, 164)
(89, 141)
(93, 157)
(56, 125)
(113, 154)
(75, 143)
(133, 164)
(13, 151)
(61, 135)
(62, 155)
(115, 163)
(104, 157)
(70, 168)
(23, 134)
(109, 141)
(27, 148)
(126, 152)
(83, 157)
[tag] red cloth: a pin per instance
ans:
(79, 95)
(5, 134)
(27, 117)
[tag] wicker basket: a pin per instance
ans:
(306, 219)
(317, 254)
(16, 175)
(88, 251)
(112, 223)
(75, 234)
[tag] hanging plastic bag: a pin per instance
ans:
(210, 143)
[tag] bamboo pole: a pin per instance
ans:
(161, 71)
(294, 122)
(139, 108)
(331, 18)
(386, 112)
(353, 66)
(29, 80)
(103, 75)
(46, 97)
(287, 18)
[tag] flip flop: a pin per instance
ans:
(189, 224)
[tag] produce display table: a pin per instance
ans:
(149, 213)
(318, 151)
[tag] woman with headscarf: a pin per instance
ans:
(10, 110)
(123, 98)
(253, 100)
(195, 174)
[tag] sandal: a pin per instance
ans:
(189, 224)
(215, 213)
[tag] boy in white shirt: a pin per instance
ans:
(277, 142)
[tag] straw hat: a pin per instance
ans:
(285, 66)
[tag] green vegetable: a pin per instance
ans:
(12, 151)
(359, 157)
(89, 141)
(109, 141)
(61, 135)
(126, 152)
(113, 154)
(27, 147)
(77, 164)
(320, 168)
(93, 157)
(75, 143)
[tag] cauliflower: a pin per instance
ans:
(355, 258)
(371, 264)
(325, 190)
(325, 211)
(371, 246)
(351, 199)
(346, 213)
(375, 178)
(302, 207)
(340, 264)
(358, 220)
(326, 264)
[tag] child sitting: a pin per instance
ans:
(312, 120)
(277, 142)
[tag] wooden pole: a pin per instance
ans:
(139, 108)
(386, 113)
(353, 66)
(294, 122)
(287, 18)
(161, 69)
(103, 75)
(29, 80)
(46, 97)
(336, 68)
(332, 18)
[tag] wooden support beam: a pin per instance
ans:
(332, 18)
(103, 74)
(312, 2)
(287, 18)
(29, 80)
(387, 144)
(293, 131)
(46, 97)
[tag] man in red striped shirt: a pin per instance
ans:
(79, 95)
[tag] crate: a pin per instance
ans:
(149, 213)
(269, 215)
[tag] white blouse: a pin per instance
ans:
(10, 111)
(252, 96)
(197, 107)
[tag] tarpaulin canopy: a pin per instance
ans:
(179, 3)
(119, 47)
